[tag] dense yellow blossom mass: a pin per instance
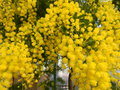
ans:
(87, 39)
(20, 43)
(15, 61)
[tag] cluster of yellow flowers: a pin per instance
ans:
(20, 43)
(88, 42)
(15, 62)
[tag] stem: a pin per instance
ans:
(13, 83)
(55, 76)
(70, 82)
